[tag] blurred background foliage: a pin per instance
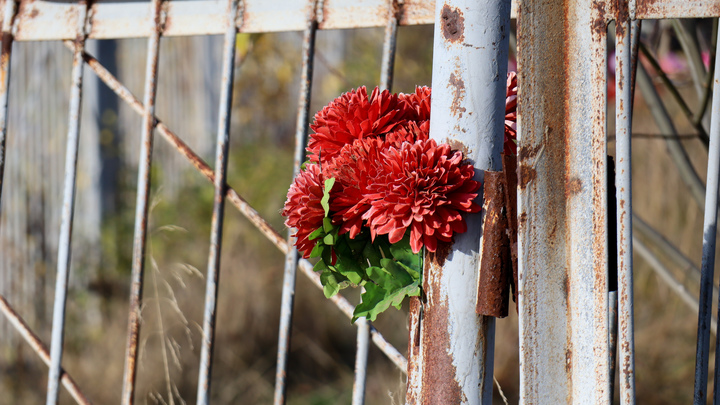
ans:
(263, 125)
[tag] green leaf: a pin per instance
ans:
(320, 266)
(398, 273)
(329, 239)
(325, 201)
(316, 233)
(376, 300)
(349, 268)
(317, 249)
(402, 252)
(330, 283)
(327, 225)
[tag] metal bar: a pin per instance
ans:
(223, 141)
(386, 79)
(666, 275)
(623, 186)
(52, 20)
(39, 347)
(707, 267)
(239, 202)
(562, 203)
(661, 9)
(452, 358)
(394, 14)
(141, 207)
(361, 357)
(9, 11)
(292, 257)
(669, 249)
(675, 148)
(68, 208)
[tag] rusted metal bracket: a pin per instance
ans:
(499, 242)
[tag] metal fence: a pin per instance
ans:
(567, 211)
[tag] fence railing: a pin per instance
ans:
(569, 216)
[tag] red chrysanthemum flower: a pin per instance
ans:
(511, 115)
(422, 187)
(409, 132)
(418, 103)
(353, 168)
(303, 210)
(352, 116)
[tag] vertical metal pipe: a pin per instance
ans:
(363, 328)
(361, 356)
(292, 257)
(562, 202)
(221, 158)
(389, 46)
(68, 208)
(7, 43)
(141, 207)
(452, 359)
(623, 186)
(707, 268)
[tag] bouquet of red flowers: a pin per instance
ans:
(375, 192)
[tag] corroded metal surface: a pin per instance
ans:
(657, 9)
(451, 357)
(52, 20)
(142, 205)
(313, 13)
(68, 209)
(41, 350)
(623, 188)
(221, 161)
(562, 232)
(493, 282)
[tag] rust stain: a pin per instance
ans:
(526, 174)
(438, 369)
(457, 145)
(453, 24)
(530, 151)
(522, 219)
(459, 93)
(574, 186)
(33, 14)
(493, 284)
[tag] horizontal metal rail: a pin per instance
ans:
(51, 20)
(248, 211)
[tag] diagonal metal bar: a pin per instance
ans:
(707, 267)
(39, 347)
(7, 42)
(238, 201)
(623, 186)
(141, 207)
(221, 159)
(292, 257)
(68, 208)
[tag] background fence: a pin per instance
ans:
(566, 229)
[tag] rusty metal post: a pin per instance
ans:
(221, 159)
(562, 200)
(68, 210)
(142, 205)
(7, 42)
(623, 187)
(292, 256)
(451, 356)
